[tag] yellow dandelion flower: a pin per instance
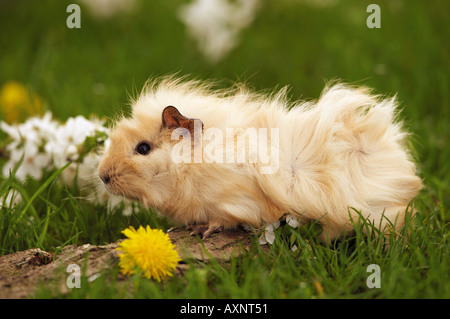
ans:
(148, 249)
(17, 103)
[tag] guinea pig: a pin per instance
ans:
(223, 158)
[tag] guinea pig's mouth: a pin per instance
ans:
(115, 188)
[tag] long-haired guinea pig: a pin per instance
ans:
(224, 158)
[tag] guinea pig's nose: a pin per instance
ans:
(105, 178)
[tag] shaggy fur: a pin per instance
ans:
(343, 152)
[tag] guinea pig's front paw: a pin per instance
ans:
(205, 230)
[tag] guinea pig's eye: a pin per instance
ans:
(143, 148)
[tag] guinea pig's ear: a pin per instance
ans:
(172, 119)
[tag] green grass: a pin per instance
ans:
(289, 43)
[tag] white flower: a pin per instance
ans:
(32, 165)
(12, 199)
(215, 24)
(269, 231)
(65, 144)
(269, 235)
(44, 143)
(72, 152)
(292, 221)
(11, 130)
(27, 140)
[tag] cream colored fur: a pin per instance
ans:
(344, 151)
